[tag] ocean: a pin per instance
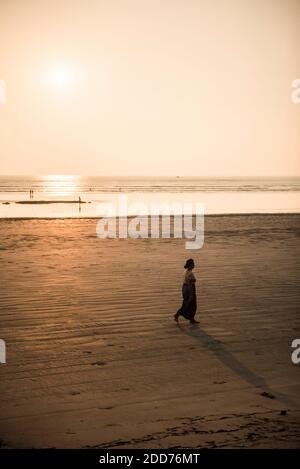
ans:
(58, 195)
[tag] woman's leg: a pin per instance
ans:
(192, 305)
(183, 309)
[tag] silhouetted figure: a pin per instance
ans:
(189, 304)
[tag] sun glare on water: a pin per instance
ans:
(61, 184)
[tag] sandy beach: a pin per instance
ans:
(95, 359)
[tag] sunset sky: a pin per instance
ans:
(150, 87)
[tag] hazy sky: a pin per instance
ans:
(150, 87)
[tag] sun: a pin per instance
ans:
(60, 76)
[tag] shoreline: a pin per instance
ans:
(256, 214)
(214, 203)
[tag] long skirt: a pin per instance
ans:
(189, 304)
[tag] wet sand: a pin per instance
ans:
(95, 359)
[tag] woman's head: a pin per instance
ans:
(189, 264)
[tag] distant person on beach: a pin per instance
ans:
(189, 304)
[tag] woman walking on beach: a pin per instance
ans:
(189, 304)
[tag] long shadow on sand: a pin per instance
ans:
(231, 362)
